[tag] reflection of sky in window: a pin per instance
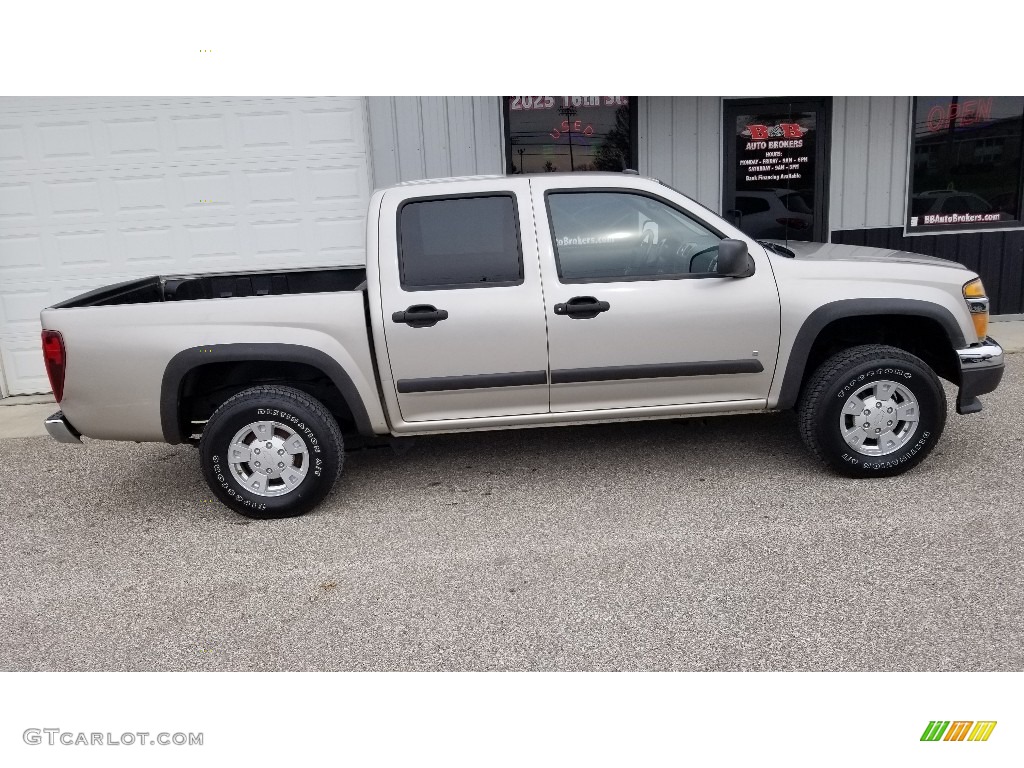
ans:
(1002, 108)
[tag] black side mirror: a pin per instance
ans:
(734, 259)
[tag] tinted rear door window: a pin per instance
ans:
(469, 242)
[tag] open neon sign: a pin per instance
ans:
(941, 116)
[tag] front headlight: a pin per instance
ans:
(977, 303)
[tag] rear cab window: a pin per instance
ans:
(459, 241)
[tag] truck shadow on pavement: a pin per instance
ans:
(686, 451)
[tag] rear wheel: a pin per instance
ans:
(271, 451)
(872, 411)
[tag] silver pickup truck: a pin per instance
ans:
(525, 301)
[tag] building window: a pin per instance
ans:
(965, 157)
(570, 133)
(459, 242)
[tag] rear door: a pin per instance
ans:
(636, 314)
(461, 301)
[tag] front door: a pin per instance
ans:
(775, 183)
(462, 303)
(636, 314)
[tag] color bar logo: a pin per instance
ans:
(958, 730)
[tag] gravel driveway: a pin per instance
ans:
(690, 545)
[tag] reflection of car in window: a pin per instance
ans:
(948, 201)
(807, 197)
(748, 205)
(795, 202)
(1005, 202)
(775, 213)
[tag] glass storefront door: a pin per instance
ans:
(776, 167)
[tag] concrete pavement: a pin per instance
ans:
(715, 544)
(21, 419)
(1009, 333)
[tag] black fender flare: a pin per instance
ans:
(187, 360)
(836, 310)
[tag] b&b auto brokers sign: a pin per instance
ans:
(773, 152)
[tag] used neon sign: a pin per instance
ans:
(577, 127)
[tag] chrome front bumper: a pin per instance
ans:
(987, 351)
(61, 430)
(981, 370)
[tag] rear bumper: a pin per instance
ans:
(60, 429)
(981, 370)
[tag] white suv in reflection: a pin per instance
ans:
(949, 201)
(774, 214)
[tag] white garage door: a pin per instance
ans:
(93, 191)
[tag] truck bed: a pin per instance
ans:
(122, 339)
(149, 290)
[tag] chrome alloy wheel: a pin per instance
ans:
(879, 418)
(268, 458)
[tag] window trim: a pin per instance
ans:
(956, 229)
(624, 278)
(460, 286)
(634, 133)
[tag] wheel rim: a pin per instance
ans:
(879, 418)
(268, 458)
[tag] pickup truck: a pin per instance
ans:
(501, 302)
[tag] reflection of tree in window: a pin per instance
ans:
(614, 152)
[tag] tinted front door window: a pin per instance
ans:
(612, 236)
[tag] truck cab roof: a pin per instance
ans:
(495, 176)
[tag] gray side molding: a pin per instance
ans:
(656, 371)
(838, 310)
(189, 359)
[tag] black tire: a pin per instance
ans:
(305, 417)
(844, 374)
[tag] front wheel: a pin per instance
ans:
(271, 452)
(872, 411)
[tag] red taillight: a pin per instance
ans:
(793, 223)
(56, 361)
